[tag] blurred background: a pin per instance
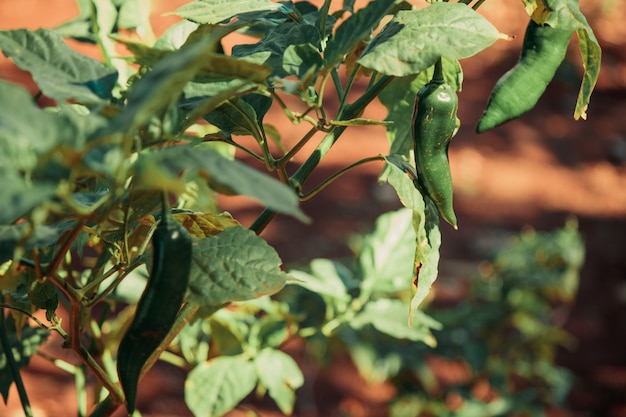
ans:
(535, 172)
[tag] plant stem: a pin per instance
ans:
(305, 139)
(346, 91)
(263, 220)
(71, 292)
(351, 111)
(305, 170)
(478, 4)
(438, 72)
(15, 372)
(26, 313)
(337, 174)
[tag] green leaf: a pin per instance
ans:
(60, 72)
(228, 333)
(22, 142)
(391, 317)
(23, 348)
(19, 197)
(44, 295)
(234, 265)
(242, 115)
(224, 175)
(269, 331)
(355, 29)
(386, 257)
(42, 236)
(134, 14)
(271, 49)
(300, 59)
(566, 15)
(415, 39)
(399, 97)
(158, 89)
(280, 374)
(592, 55)
(214, 388)
(426, 226)
(327, 279)
(175, 36)
(216, 11)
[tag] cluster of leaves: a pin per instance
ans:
(82, 185)
(495, 346)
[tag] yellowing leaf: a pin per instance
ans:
(205, 225)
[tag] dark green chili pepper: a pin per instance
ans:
(159, 304)
(518, 90)
(434, 125)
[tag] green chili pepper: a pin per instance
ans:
(159, 304)
(434, 125)
(520, 88)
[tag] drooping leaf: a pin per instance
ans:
(415, 39)
(566, 15)
(161, 168)
(234, 265)
(60, 72)
(214, 388)
(22, 349)
(216, 11)
(280, 374)
(426, 226)
(355, 29)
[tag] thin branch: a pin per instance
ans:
(329, 180)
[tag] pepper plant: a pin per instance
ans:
(168, 125)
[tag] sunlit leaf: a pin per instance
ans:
(386, 257)
(227, 176)
(324, 279)
(216, 11)
(426, 226)
(205, 224)
(234, 265)
(280, 374)
(415, 39)
(60, 72)
(390, 316)
(214, 388)
(355, 29)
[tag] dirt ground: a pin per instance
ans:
(535, 171)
